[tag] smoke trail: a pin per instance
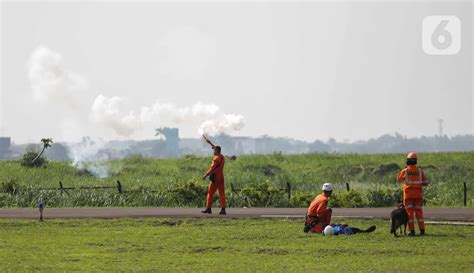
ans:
(57, 87)
(177, 114)
(224, 124)
(108, 113)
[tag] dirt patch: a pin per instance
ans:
(267, 169)
(386, 169)
(354, 170)
(171, 223)
(207, 249)
(272, 251)
(84, 172)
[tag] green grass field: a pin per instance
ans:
(176, 182)
(230, 245)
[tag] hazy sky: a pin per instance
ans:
(307, 70)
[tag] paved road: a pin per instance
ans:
(437, 214)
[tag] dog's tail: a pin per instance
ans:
(370, 229)
(394, 226)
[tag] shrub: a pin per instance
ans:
(10, 186)
(350, 199)
(187, 193)
(264, 195)
(385, 169)
(301, 199)
(383, 198)
(29, 156)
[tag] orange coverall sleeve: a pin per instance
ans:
(424, 178)
(215, 162)
(322, 207)
(401, 176)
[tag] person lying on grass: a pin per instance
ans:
(336, 229)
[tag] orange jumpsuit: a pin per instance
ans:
(218, 168)
(414, 180)
(319, 208)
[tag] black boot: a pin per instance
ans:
(222, 212)
(422, 232)
(412, 233)
(307, 228)
(207, 210)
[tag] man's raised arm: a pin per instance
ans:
(208, 141)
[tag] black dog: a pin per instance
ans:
(399, 218)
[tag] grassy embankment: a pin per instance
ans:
(176, 182)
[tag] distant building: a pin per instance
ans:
(57, 151)
(171, 142)
(5, 143)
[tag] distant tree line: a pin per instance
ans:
(398, 143)
(159, 148)
(384, 144)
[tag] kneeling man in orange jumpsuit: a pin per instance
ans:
(318, 215)
(414, 180)
(216, 175)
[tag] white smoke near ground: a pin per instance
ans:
(58, 90)
(109, 113)
(90, 155)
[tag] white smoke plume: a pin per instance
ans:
(57, 87)
(58, 90)
(224, 124)
(49, 80)
(178, 114)
(108, 112)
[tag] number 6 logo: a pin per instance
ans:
(441, 35)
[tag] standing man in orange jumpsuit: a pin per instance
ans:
(216, 175)
(414, 180)
(318, 215)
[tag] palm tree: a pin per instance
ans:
(46, 144)
(159, 132)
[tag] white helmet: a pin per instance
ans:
(328, 230)
(327, 187)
